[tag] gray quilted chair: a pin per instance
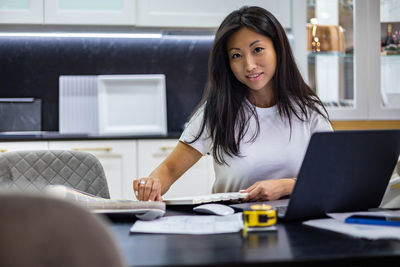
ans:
(39, 231)
(34, 170)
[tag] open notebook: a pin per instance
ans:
(231, 196)
(143, 210)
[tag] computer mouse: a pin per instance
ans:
(150, 214)
(214, 208)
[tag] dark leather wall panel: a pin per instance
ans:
(30, 67)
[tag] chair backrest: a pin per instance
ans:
(43, 231)
(34, 170)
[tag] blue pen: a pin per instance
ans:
(374, 220)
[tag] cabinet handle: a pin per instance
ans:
(3, 150)
(165, 148)
(107, 149)
(109, 156)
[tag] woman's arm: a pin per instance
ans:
(159, 181)
(269, 189)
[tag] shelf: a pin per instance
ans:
(333, 54)
(391, 55)
(365, 125)
(392, 22)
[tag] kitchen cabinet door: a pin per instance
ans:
(90, 12)
(332, 51)
(359, 82)
(197, 180)
(118, 158)
(385, 38)
(23, 145)
(21, 12)
(202, 14)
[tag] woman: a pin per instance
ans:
(256, 118)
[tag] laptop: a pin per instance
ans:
(341, 171)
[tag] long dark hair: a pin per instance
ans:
(223, 100)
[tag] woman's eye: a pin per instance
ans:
(235, 56)
(258, 49)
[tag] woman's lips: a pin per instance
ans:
(254, 77)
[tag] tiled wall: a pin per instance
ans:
(31, 66)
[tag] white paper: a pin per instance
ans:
(357, 230)
(205, 198)
(366, 231)
(193, 224)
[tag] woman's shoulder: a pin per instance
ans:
(314, 114)
(318, 119)
(316, 111)
(306, 111)
(197, 114)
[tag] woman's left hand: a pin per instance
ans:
(268, 190)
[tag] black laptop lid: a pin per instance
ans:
(344, 171)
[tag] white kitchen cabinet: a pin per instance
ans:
(380, 72)
(388, 90)
(372, 69)
(198, 180)
(118, 158)
(146, 13)
(90, 12)
(18, 12)
(375, 94)
(23, 145)
(202, 14)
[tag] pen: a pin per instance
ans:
(374, 220)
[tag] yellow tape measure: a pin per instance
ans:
(258, 216)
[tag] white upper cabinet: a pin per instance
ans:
(21, 11)
(90, 12)
(387, 34)
(376, 73)
(202, 14)
(348, 65)
(142, 13)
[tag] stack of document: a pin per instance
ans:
(191, 224)
(337, 224)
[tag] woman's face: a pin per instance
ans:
(252, 60)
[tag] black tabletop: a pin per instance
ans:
(293, 244)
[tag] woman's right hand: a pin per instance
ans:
(177, 163)
(147, 189)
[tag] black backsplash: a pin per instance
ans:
(31, 66)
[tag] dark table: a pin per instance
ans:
(291, 245)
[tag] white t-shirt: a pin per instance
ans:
(275, 153)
